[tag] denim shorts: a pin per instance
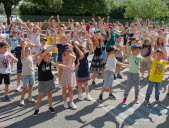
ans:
(104, 55)
(28, 80)
(108, 79)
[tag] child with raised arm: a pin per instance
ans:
(83, 73)
(156, 76)
(5, 67)
(68, 79)
(27, 73)
(46, 79)
(133, 75)
(109, 72)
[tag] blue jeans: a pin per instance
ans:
(150, 89)
(54, 57)
(104, 55)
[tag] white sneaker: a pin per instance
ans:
(59, 86)
(80, 97)
(22, 102)
(18, 88)
(31, 100)
(65, 104)
(88, 97)
(72, 105)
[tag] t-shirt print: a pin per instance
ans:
(158, 69)
(137, 61)
(45, 67)
(4, 62)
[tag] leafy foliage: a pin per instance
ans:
(146, 9)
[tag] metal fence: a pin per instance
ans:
(40, 18)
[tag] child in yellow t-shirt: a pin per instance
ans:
(50, 40)
(156, 76)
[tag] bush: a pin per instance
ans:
(2, 11)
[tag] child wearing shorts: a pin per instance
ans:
(5, 67)
(109, 72)
(17, 52)
(46, 79)
(27, 73)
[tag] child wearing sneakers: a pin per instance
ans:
(83, 73)
(17, 52)
(5, 67)
(27, 73)
(109, 72)
(133, 75)
(46, 78)
(156, 75)
(68, 79)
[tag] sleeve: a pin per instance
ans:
(166, 62)
(17, 37)
(58, 45)
(141, 58)
(8, 39)
(87, 54)
(116, 34)
(10, 54)
(107, 34)
(22, 60)
(15, 50)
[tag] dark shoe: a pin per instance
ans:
(124, 100)
(7, 98)
(100, 97)
(114, 77)
(51, 110)
(93, 83)
(168, 95)
(158, 102)
(36, 113)
(111, 96)
(76, 87)
(147, 102)
(119, 76)
(103, 82)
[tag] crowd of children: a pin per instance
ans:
(67, 46)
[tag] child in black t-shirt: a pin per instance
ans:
(46, 78)
(17, 52)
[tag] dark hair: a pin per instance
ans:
(2, 44)
(159, 51)
(110, 49)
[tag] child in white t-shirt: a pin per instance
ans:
(5, 67)
(109, 72)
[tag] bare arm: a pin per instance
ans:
(91, 47)
(23, 51)
(58, 65)
(45, 53)
(80, 53)
(119, 63)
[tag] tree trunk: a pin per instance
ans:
(93, 14)
(8, 12)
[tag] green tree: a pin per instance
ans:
(1, 11)
(118, 11)
(95, 7)
(92, 7)
(8, 7)
(146, 9)
(48, 4)
(72, 7)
